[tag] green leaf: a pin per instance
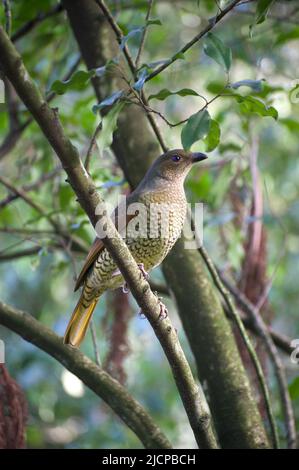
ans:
(77, 82)
(216, 87)
(109, 126)
(164, 93)
(100, 71)
(214, 48)
(109, 101)
(262, 9)
(131, 34)
(255, 85)
(213, 137)
(196, 128)
(294, 389)
(248, 104)
(141, 79)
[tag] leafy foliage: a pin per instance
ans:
(218, 51)
(77, 82)
(197, 127)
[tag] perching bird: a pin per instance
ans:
(152, 231)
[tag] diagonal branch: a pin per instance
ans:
(231, 308)
(143, 37)
(30, 187)
(281, 341)
(265, 334)
(48, 120)
(60, 230)
(14, 133)
(31, 24)
(94, 377)
(212, 23)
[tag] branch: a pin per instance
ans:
(20, 254)
(264, 333)
(48, 120)
(231, 308)
(77, 242)
(281, 341)
(27, 27)
(92, 144)
(15, 133)
(212, 23)
(30, 187)
(94, 377)
(143, 37)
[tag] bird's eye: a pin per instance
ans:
(175, 158)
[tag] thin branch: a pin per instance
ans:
(14, 134)
(148, 109)
(264, 333)
(118, 34)
(77, 242)
(30, 25)
(95, 343)
(91, 145)
(281, 341)
(20, 254)
(48, 120)
(231, 308)
(22, 194)
(25, 231)
(119, 37)
(212, 23)
(143, 37)
(31, 187)
(94, 377)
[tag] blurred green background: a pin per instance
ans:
(62, 412)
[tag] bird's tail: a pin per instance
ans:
(79, 322)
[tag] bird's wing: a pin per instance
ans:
(98, 246)
(93, 254)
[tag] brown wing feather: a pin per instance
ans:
(95, 250)
(93, 254)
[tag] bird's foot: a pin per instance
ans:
(163, 311)
(141, 314)
(143, 271)
(125, 288)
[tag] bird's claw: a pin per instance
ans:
(163, 311)
(141, 314)
(143, 271)
(125, 288)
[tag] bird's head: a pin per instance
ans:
(170, 168)
(175, 164)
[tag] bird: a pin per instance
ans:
(150, 233)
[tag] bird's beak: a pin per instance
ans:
(198, 157)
